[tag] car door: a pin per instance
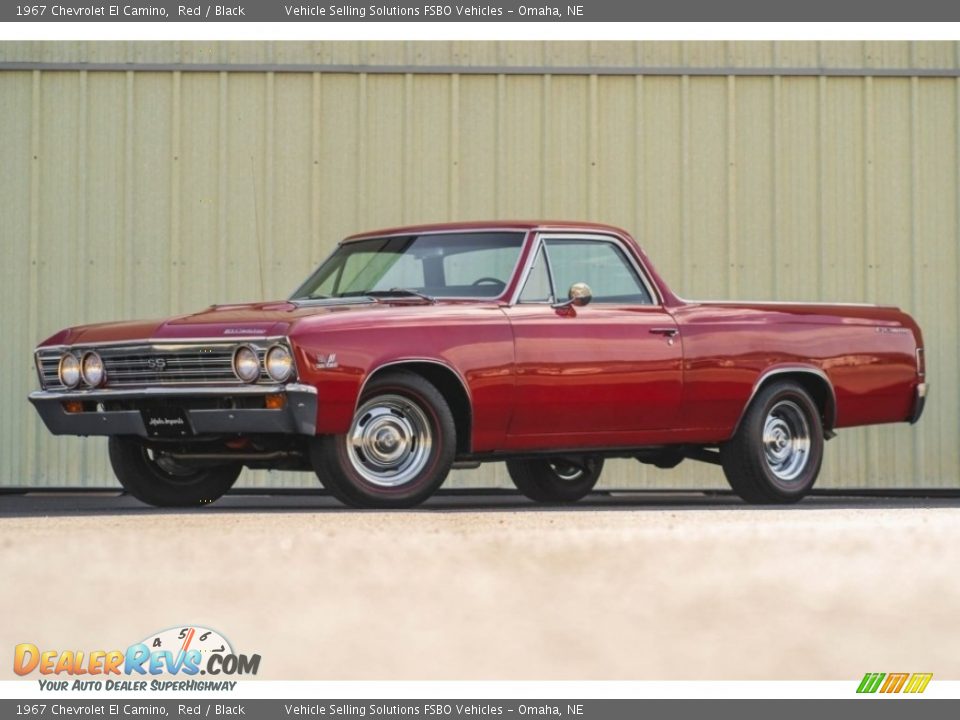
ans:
(611, 369)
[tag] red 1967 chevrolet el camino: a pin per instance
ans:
(550, 346)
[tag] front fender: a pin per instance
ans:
(478, 349)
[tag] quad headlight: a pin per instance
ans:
(69, 370)
(246, 364)
(279, 363)
(92, 370)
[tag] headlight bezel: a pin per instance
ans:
(256, 363)
(77, 368)
(291, 369)
(84, 373)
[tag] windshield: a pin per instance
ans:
(453, 265)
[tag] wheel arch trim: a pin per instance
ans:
(830, 409)
(401, 362)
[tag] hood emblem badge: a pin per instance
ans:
(327, 362)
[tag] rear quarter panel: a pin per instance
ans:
(868, 354)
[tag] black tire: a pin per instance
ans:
(781, 467)
(399, 412)
(143, 475)
(553, 480)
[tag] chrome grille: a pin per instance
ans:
(47, 364)
(160, 364)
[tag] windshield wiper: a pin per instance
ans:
(403, 292)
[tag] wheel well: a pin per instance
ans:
(818, 387)
(450, 386)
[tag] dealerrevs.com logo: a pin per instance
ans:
(187, 652)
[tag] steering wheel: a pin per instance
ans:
(489, 281)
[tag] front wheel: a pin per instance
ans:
(776, 453)
(555, 480)
(399, 447)
(157, 479)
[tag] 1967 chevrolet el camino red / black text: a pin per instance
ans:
(550, 346)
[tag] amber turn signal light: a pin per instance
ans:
(277, 401)
(73, 406)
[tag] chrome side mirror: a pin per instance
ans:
(578, 296)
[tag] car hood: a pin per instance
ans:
(226, 322)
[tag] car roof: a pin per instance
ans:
(490, 225)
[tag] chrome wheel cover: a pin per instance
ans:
(389, 441)
(786, 441)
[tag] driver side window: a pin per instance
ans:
(600, 264)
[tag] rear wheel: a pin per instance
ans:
(399, 447)
(555, 480)
(776, 453)
(157, 479)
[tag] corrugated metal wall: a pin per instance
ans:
(138, 192)
(876, 55)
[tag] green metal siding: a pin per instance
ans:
(547, 54)
(143, 193)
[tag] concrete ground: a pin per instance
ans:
(642, 586)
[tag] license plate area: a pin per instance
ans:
(166, 422)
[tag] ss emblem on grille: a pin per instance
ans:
(157, 363)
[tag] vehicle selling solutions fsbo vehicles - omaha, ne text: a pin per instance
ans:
(550, 346)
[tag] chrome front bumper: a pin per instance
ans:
(298, 416)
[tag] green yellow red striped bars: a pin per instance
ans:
(894, 682)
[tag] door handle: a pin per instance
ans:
(665, 331)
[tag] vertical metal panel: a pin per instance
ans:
(199, 163)
(845, 54)
(477, 148)
(18, 267)
(797, 217)
(933, 54)
(291, 190)
(382, 125)
(661, 161)
(844, 226)
(246, 191)
(668, 54)
(705, 54)
(618, 149)
(706, 204)
(427, 158)
(936, 291)
(753, 178)
(339, 153)
(891, 274)
(565, 158)
(612, 53)
(162, 192)
(887, 54)
(59, 261)
(524, 129)
(751, 54)
(797, 54)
